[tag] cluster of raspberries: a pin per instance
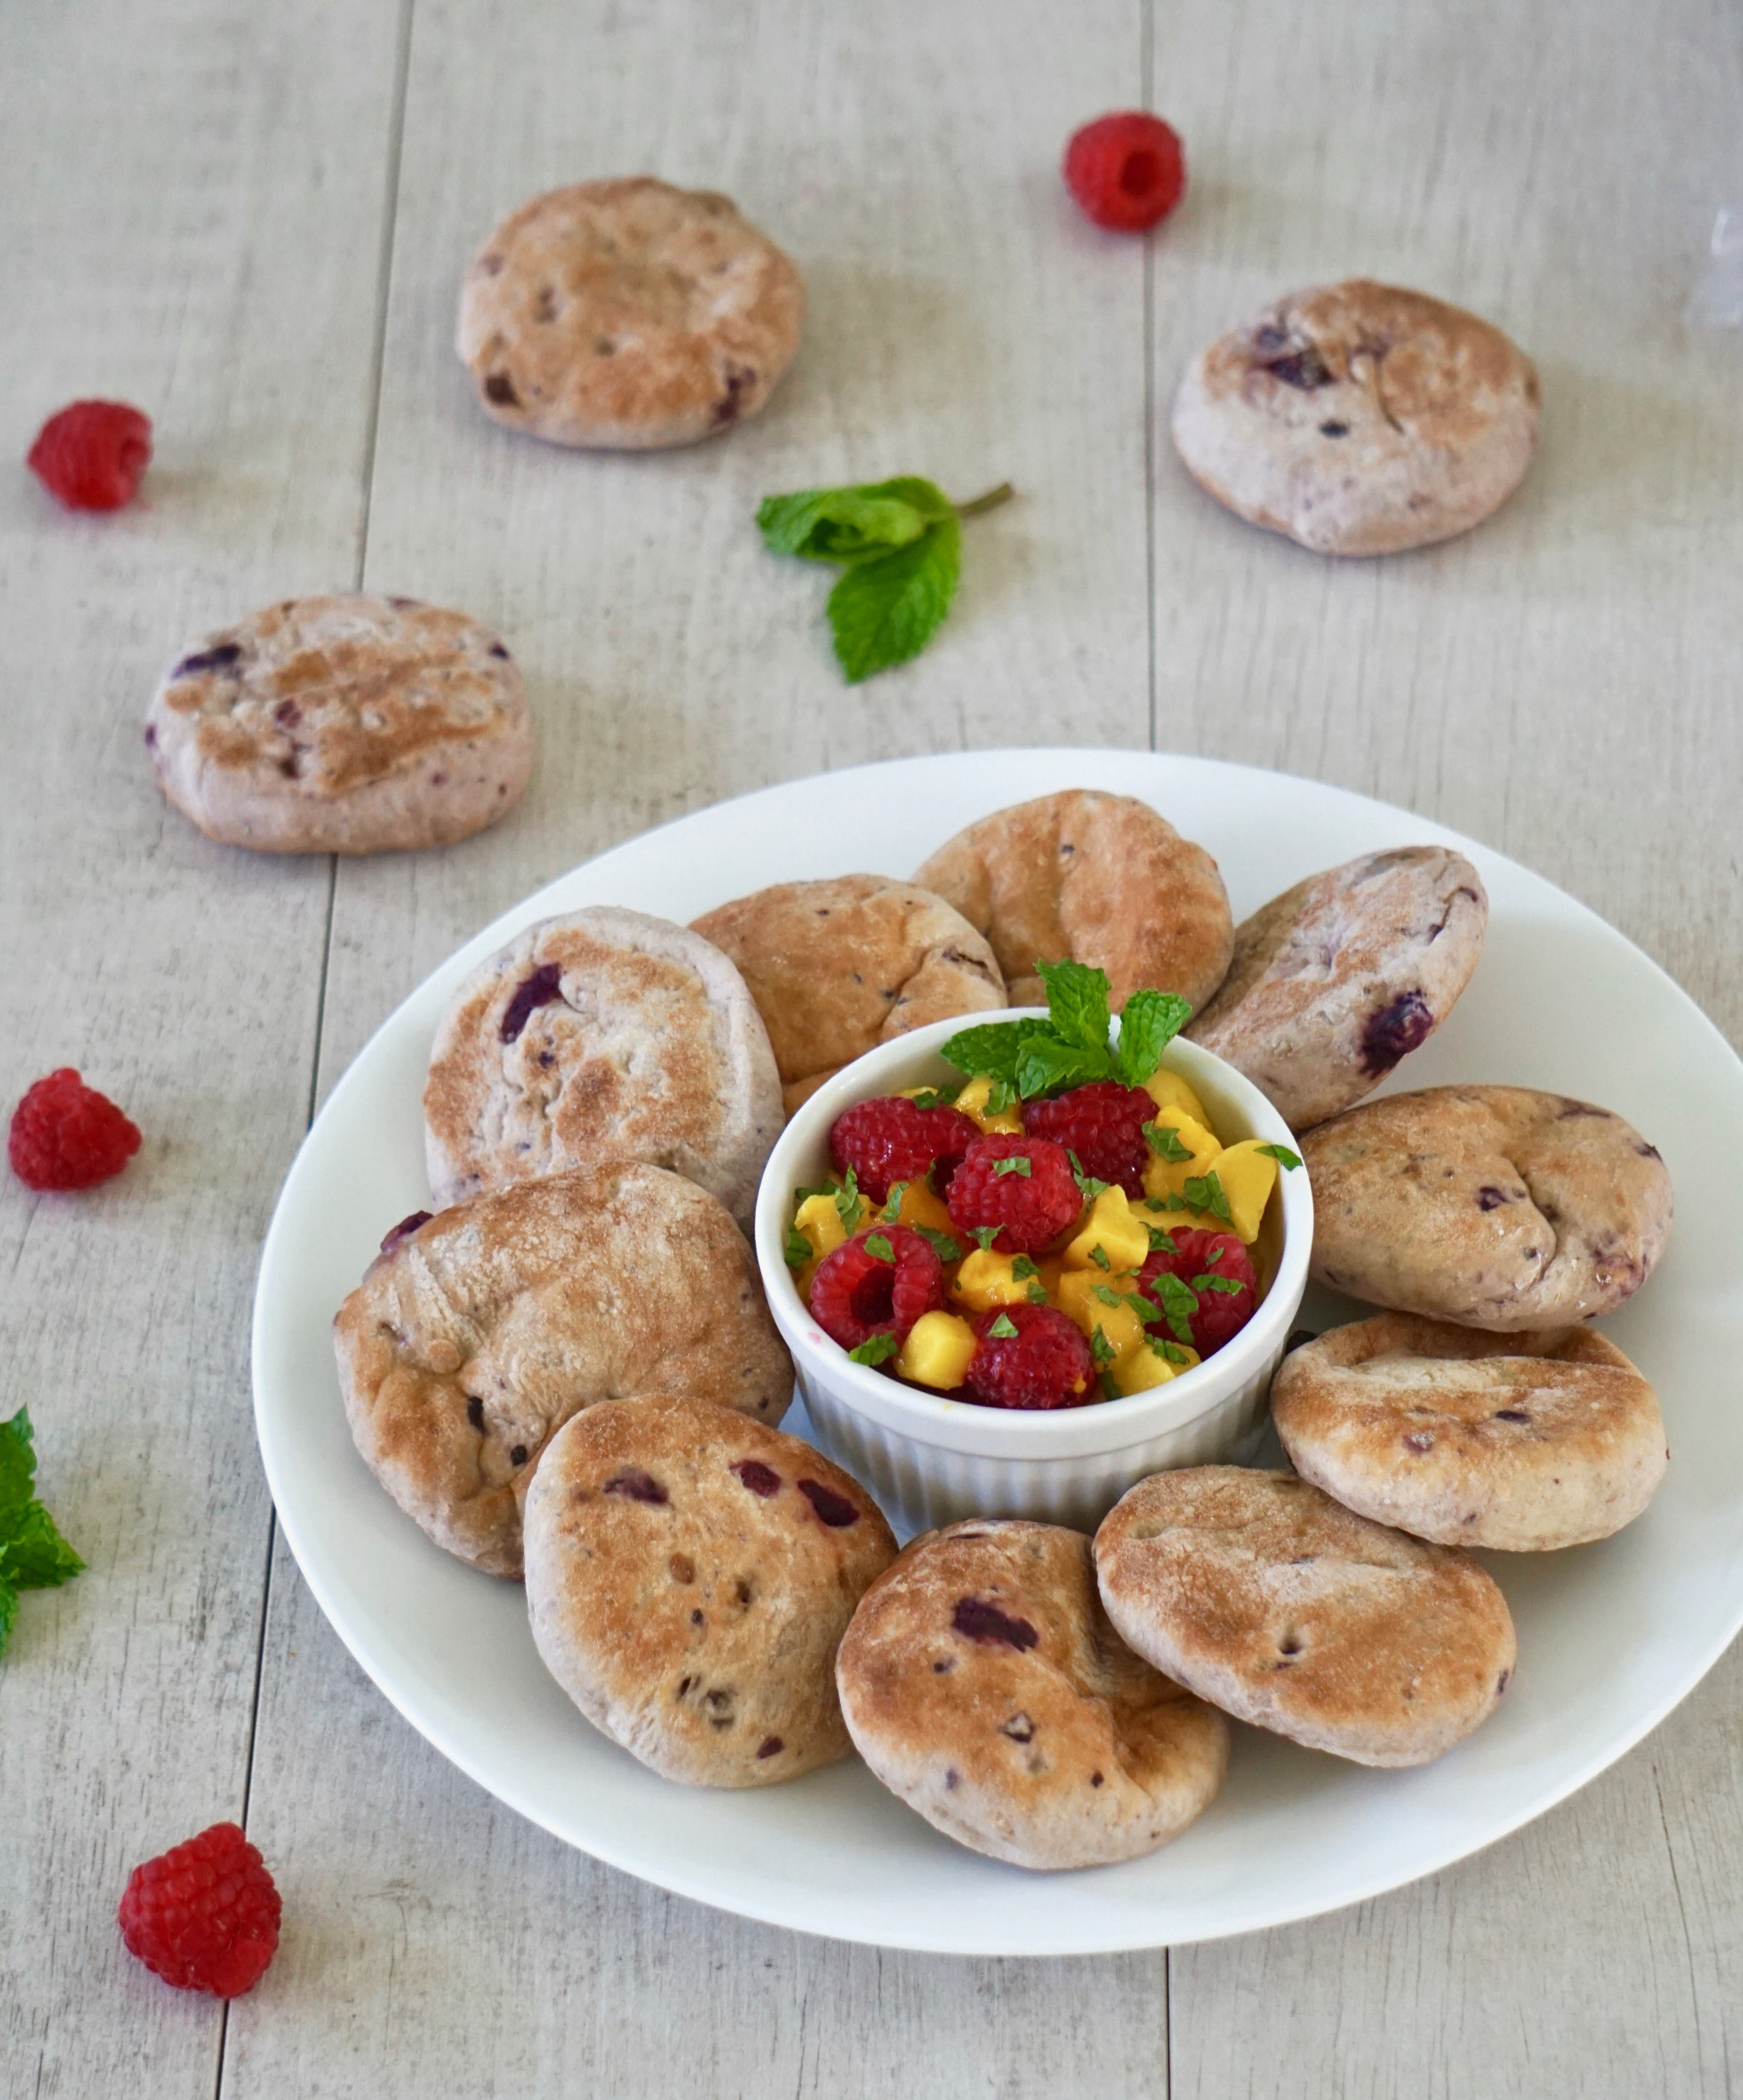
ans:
(1017, 1194)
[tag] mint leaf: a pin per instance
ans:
(1179, 1302)
(1169, 1352)
(1102, 1350)
(989, 1052)
(1018, 1165)
(1046, 1065)
(999, 1096)
(33, 1555)
(797, 1250)
(1098, 1254)
(1281, 1152)
(1204, 1193)
(1076, 1003)
(986, 1234)
(891, 1214)
(1087, 1186)
(1037, 1293)
(849, 1203)
(36, 1556)
(1022, 1268)
(1149, 1024)
(884, 611)
(849, 525)
(941, 1244)
(878, 1248)
(935, 1097)
(1229, 1284)
(1110, 1390)
(1164, 1140)
(1161, 1242)
(1107, 1294)
(875, 1348)
(1003, 1329)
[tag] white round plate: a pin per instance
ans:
(1610, 1636)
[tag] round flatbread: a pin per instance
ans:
(628, 315)
(1495, 1207)
(342, 725)
(837, 967)
(1358, 419)
(1270, 1600)
(479, 1332)
(1101, 879)
(689, 1575)
(1340, 977)
(983, 1684)
(603, 1034)
(1523, 1443)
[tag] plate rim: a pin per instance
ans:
(1245, 1915)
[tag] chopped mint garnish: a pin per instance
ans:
(999, 1096)
(1160, 1241)
(1018, 1166)
(941, 1244)
(1282, 1152)
(1204, 1193)
(1164, 1140)
(1101, 1348)
(1179, 1302)
(1037, 1293)
(986, 1234)
(891, 1214)
(878, 1248)
(1229, 1285)
(1109, 1389)
(875, 1349)
(1087, 1186)
(1098, 1254)
(1107, 1294)
(1169, 1352)
(798, 1249)
(33, 1555)
(848, 1202)
(935, 1097)
(1022, 1268)
(1003, 1329)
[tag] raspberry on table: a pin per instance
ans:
(93, 455)
(1024, 1186)
(203, 1915)
(1103, 1124)
(893, 1139)
(858, 1293)
(1044, 1363)
(1220, 1315)
(67, 1135)
(1128, 171)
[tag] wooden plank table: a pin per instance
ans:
(250, 218)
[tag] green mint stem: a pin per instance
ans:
(989, 501)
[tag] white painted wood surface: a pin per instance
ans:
(206, 208)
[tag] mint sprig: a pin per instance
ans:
(33, 1555)
(900, 544)
(877, 1349)
(1071, 1046)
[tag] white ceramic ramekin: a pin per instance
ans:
(931, 1457)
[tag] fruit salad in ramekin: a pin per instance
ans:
(1062, 1226)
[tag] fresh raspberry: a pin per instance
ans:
(1127, 171)
(204, 1916)
(1220, 1313)
(1032, 1202)
(1046, 1363)
(856, 1293)
(92, 454)
(894, 1140)
(66, 1135)
(1103, 1124)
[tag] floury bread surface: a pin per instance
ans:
(342, 725)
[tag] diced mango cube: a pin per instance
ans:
(972, 1102)
(917, 1206)
(937, 1351)
(1248, 1177)
(1148, 1366)
(1112, 1229)
(1173, 1097)
(1122, 1328)
(1167, 1177)
(986, 1280)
